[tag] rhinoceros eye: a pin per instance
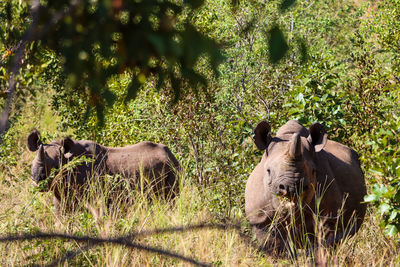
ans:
(269, 171)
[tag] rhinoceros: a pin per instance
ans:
(304, 174)
(148, 160)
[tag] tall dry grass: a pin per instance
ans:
(22, 210)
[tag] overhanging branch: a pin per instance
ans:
(32, 34)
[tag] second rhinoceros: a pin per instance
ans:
(145, 160)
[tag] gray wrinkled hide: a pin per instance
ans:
(296, 163)
(153, 161)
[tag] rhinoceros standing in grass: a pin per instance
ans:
(311, 176)
(147, 160)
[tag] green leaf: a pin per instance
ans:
(302, 46)
(158, 43)
(371, 198)
(194, 3)
(384, 208)
(391, 230)
(378, 171)
(109, 96)
(277, 44)
(393, 215)
(379, 189)
(398, 171)
(175, 84)
(100, 114)
(234, 4)
(133, 89)
(285, 4)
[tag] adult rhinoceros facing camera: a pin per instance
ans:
(154, 162)
(302, 171)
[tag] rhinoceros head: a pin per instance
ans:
(48, 156)
(290, 165)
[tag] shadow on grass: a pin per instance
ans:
(125, 240)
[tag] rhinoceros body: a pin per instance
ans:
(151, 161)
(315, 175)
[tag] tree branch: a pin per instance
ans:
(30, 35)
(125, 240)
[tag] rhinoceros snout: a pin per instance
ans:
(284, 190)
(291, 189)
(38, 178)
(38, 175)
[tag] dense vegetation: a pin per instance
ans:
(340, 66)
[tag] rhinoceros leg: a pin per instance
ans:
(56, 203)
(272, 239)
(172, 186)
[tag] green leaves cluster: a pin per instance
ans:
(96, 40)
(14, 21)
(385, 193)
(383, 143)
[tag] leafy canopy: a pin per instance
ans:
(96, 40)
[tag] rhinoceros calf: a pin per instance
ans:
(148, 160)
(304, 172)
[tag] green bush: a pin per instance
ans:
(383, 138)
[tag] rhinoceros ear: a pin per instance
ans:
(318, 136)
(67, 144)
(262, 135)
(33, 141)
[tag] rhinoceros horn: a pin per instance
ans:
(295, 146)
(41, 154)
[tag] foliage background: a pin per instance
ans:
(341, 68)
